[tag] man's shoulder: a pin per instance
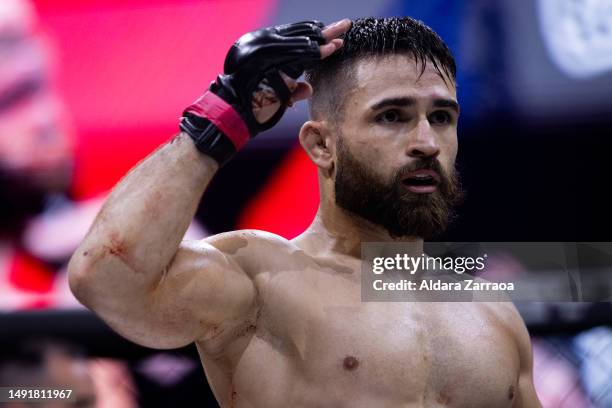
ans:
(509, 317)
(255, 251)
(248, 242)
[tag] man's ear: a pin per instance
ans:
(318, 141)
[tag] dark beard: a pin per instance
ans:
(389, 204)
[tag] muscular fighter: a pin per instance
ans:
(280, 323)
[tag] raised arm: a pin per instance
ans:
(132, 258)
(132, 269)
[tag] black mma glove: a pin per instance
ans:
(221, 121)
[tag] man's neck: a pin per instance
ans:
(335, 231)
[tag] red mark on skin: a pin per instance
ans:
(233, 397)
(86, 253)
(511, 392)
(443, 399)
(116, 247)
(350, 363)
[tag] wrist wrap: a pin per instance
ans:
(215, 127)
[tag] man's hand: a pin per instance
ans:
(265, 103)
(259, 81)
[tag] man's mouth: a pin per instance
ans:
(422, 181)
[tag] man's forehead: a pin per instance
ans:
(401, 73)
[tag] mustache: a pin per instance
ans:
(422, 164)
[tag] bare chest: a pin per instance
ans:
(329, 343)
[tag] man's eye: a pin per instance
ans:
(440, 118)
(390, 116)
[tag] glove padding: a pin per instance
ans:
(256, 60)
(222, 120)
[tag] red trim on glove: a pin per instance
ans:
(223, 115)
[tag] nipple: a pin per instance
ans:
(350, 363)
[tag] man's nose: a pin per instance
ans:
(423, 143)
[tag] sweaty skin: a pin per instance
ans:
(280, 323)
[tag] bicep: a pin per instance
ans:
(200, 289)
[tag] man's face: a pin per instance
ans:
(396, 147)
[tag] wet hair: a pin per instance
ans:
(370, 38)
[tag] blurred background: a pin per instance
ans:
(90, 87)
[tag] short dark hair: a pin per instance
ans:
(372, 37)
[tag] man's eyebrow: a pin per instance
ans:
(397, 101)
(408, 101)
(447, 103)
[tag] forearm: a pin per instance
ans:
(140, 227)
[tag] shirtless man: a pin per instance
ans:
(280, 323)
